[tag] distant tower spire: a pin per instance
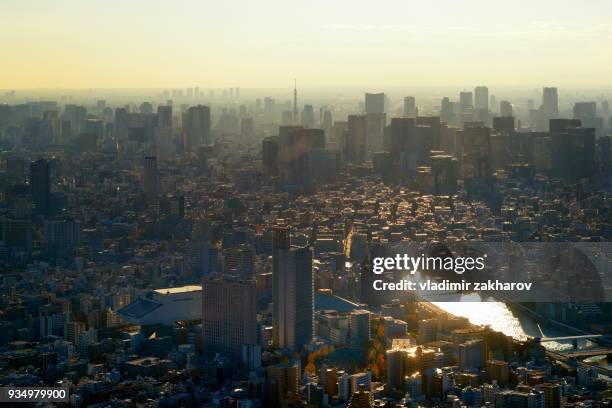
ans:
(295, 108)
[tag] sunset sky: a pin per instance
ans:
(137, 43)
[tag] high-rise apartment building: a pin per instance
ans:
(293, 293)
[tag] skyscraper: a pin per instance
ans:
(308, 116)
(447, 113)
(293, 295)
(375, 102)
(410, 109)
(229, 316)
(481, 98)
(550, 104)
(466, 101)
(375, 127)
(356, 139)
(585, 110)
(505, 109)
(196, 126)
(40, 186)
(150, 180)
(164, 116)
(294, 143)
(402, 130)
(270, 156)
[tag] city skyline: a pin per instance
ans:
(306, 204)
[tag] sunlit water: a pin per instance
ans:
(494, 314)
(500, 318)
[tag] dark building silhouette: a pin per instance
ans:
(40, 187)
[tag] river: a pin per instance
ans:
(502, 319)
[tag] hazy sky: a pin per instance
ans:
(138, 43)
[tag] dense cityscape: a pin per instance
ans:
(212, 247)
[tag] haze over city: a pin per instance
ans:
(306, 204)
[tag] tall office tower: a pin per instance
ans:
(196, 126)
(51, 126)
(585, 110)
(327, 123)
(481, 98)
(605, 109)
(466, 101)
(356, 139)
(572, 149)
(447, 113)
(587, 113)
(229, 316)
(121, 123)
(66, 131)
(338, 134)
(293, 293)
(164, 116)
(410, 108)
(150, 179)
(476, 153)
(40, 187)
(269, 105)
(401, 131)
(375, 102)
(505, 109)
(481, 104)
(375, 129)
(95, 127)
(550, 104)
(294, 144)
(308, 119)
(432, 142)
(270, 156)
(146, 108)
